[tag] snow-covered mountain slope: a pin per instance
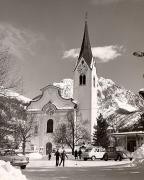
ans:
(112, 97)
(12, 94)
(114, 100)
(66, 86)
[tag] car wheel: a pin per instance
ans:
(23, 167)
(85, 159)
(93, 158)
(130, 159)
(106, 158)
(119, 158)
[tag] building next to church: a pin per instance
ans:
(50, 108)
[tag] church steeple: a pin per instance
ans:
(85, 83)
(85, 51)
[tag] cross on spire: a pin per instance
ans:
(86, 16)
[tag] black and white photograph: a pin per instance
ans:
(71, 89)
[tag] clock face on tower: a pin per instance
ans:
(82, 67)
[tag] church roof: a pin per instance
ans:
(85, 51)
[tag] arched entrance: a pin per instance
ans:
(48, 148)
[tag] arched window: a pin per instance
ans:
(82, 79)
(48, 147)
(36, 129)
(50, 126)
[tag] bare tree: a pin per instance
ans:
(15, 122)
(71, 133)
(23, 129)
(5, 119)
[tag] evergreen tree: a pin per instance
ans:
(101, 137)
(95, 143)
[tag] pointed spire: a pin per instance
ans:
(85, 51)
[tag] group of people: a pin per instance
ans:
(60, 157)
(78, 154)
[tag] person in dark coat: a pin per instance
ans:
(80, 153)
(76, 154)
(49, 156)
(63, 155)
(57, 154)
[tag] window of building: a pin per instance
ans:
(36, 129)
(94, 81)
(82, 79)
(50, 126)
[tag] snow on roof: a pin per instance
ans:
(33, 110)
(129, 133)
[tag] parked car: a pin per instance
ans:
(113, 153)
(93, 153)
(13, 158)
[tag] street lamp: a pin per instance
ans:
(138, 54)
(141, 93)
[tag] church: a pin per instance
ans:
(50, 108)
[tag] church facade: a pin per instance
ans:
(50, 108)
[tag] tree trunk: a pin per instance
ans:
(23, 147)
(73, 143)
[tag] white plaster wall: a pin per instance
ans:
(86, 97)
(82, 96)
(50, 93)
(42, 138)
(93, 99)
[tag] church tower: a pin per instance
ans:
(85, 83)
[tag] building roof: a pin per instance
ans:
(128, 133)
(85, 51)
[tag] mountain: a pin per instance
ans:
(12, 94)
(112, 97)
(66, 86)
(113, 100)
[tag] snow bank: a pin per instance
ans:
(139, 153)
(33, 156)
(8, 172)
(138, 157)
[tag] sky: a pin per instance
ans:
(44, 37)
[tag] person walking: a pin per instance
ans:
(63, 155)
(76, 154)
(49, 156)
(80, 153)
(57, 154)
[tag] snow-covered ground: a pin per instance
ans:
(8, 172)
(33, 156)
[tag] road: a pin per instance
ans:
(84, 173)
